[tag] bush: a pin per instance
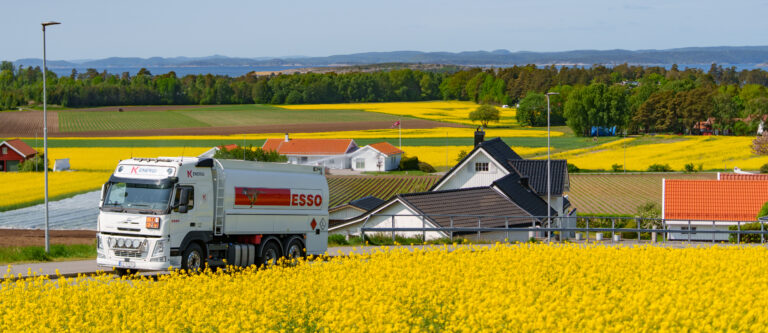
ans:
(617, 167)
(656, 167)
(36, 163)
(337, 239)
(747, 238)
(463, 154)
(251, 154)
(426, 167)
(690, 167)
(631, 224)
(763, 211)
(409, 163)
(764, 168)
(572, 168)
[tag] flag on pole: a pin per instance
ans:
(397, 123)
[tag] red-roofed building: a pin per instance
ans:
(13, 152)
(707, 204)
(330, 153)
(741, 176)
(381, 156)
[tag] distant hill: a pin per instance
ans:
(724, 55)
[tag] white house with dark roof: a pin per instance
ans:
(492, 160)
(488, 182)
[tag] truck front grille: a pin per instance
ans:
(128, 254)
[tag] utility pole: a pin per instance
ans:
(549, 173)
(45, 140)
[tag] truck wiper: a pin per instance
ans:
(146, 212)
(115, 209)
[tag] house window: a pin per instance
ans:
(359, 164)
(303, 159)
(481, 167)
(692, 229)
(5, 150)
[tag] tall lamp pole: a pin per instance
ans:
(549, 182)
(45, 140)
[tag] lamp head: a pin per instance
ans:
(552, 93)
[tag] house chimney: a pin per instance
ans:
(286, 137)
(479, 136)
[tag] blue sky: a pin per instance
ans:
(139, 28)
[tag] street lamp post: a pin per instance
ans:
(549, 182)
(45, 140)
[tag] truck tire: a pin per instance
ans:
(192, 258)
(295, 249)
(270, 254)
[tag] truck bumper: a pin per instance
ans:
(133, 264)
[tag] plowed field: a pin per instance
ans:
(620, 194)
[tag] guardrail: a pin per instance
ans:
(565, 226)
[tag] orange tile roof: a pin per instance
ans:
(22, 147)
(737, 176)
(308, 146)
(228, 147)
(386, 148)
(735, 200)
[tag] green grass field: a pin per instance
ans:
(20, 254)
(214, 116)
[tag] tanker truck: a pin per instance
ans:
(157, 213)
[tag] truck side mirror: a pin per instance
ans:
(183, 200)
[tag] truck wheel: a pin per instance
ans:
(192, 258)
(120, 271)
(270, 254)
(295, 249)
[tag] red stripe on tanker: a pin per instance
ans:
(248, 197)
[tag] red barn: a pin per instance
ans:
(13, 152)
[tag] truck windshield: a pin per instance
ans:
(143, 197)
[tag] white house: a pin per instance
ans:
(337, 153)
(493, 159)
(488, 207)
(381, 156)
(711, 205)
(330, 153)
(354, 208)
(487, 185)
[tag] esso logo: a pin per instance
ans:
(306, 200)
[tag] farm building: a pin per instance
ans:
(488, 182)
(337, 153)
(380, 156)
(741, 176)
(710, 204)
(13, 152)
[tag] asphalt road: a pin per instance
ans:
(75, 267)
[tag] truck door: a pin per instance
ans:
(182, 216)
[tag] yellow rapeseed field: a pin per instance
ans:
(446, 156)
(448, 111)
(721, 152)
(522, 287)
(103, 158)
(27, 187)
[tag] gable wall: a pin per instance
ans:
(396, 208)
(467, 177)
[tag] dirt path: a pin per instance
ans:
(36, 237)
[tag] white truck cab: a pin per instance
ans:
(157, 213)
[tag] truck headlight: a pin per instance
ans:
(159, 249)
(136, 243)
(120, 242)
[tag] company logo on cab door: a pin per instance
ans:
(248, 197)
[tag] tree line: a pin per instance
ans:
(635, 98)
